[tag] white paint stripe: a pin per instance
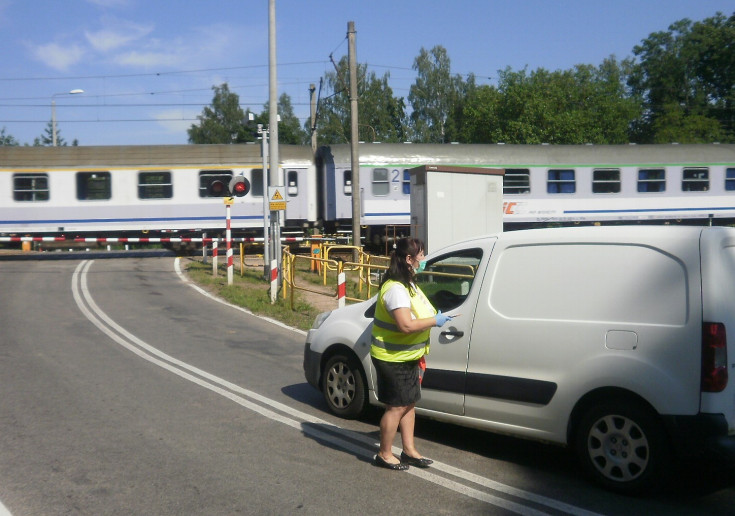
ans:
(4, 511)
(167, 362)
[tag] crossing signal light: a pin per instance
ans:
(218, 188)
(239, 186)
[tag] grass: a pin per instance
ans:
(251, 291)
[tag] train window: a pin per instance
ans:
(695, 180)
(30, 187)
(561, 181)
(606, 180)
(155, 185)
(406, 181)
(256, 182)
(205, 180)
(381, 186)
(347, 182)
(517, 181)
(730, 179)
(93, 186)
(293, 183)
(651, 180)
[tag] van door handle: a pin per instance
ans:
(453, 333)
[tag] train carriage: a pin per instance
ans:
(544, 184)
(140, 189)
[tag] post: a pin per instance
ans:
(53, 122)
(204, 248)
(215, 243)
(274, 280)
(228, 240)
(266, 205)
(312, 99)
(354, 140)
(274, 172)
(341, 290)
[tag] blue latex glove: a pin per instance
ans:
(441, 319)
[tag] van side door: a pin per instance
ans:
(451, 281)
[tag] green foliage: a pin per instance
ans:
(381, 115)
(685, 78)
(223, 122)
(434, 96)
(251, 291)
(7, 139)
(289, 128)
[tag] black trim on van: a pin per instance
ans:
(523, 390)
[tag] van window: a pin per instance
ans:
(561, 181)
(593, 283)
(447, 279)
(606, 180)
(516, 181)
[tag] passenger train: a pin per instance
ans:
(129, 190)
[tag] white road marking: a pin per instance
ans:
(246, 398)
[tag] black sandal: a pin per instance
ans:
(382, 463)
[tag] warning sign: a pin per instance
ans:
(277, 199)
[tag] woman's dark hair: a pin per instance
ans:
(399, 269)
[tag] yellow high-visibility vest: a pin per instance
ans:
(388, 342)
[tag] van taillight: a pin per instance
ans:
(714, 357)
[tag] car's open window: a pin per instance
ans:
(448, 279)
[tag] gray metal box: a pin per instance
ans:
(449, 204)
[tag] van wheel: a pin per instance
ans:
(623, 445)
(343, 385)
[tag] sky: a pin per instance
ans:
(147, 67)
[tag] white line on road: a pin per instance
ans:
(239, 395)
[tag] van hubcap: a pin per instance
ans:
(618, 448)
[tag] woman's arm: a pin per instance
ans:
(407, 324)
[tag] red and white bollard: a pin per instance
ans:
(214, 257)
(274, 280)
(341, 290)
(228, 239)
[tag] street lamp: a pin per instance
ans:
(53, 112)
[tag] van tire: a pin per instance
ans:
(343, 386)
(622, 444)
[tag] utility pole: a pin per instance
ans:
(354, 139)
(312, 98)
(274, 172)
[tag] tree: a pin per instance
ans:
(582, 105)
(289, 128)
(7, 139)
(47, 138)
(433, 96)
(686, 76)
(381, 116)
(223, 122)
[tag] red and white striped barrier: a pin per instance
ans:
(141, 240)
(341, 290)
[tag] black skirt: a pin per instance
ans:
(397, 382)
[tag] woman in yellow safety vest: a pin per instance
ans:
(400, 339)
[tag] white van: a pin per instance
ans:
(610, 340)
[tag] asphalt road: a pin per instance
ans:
(124, 390)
